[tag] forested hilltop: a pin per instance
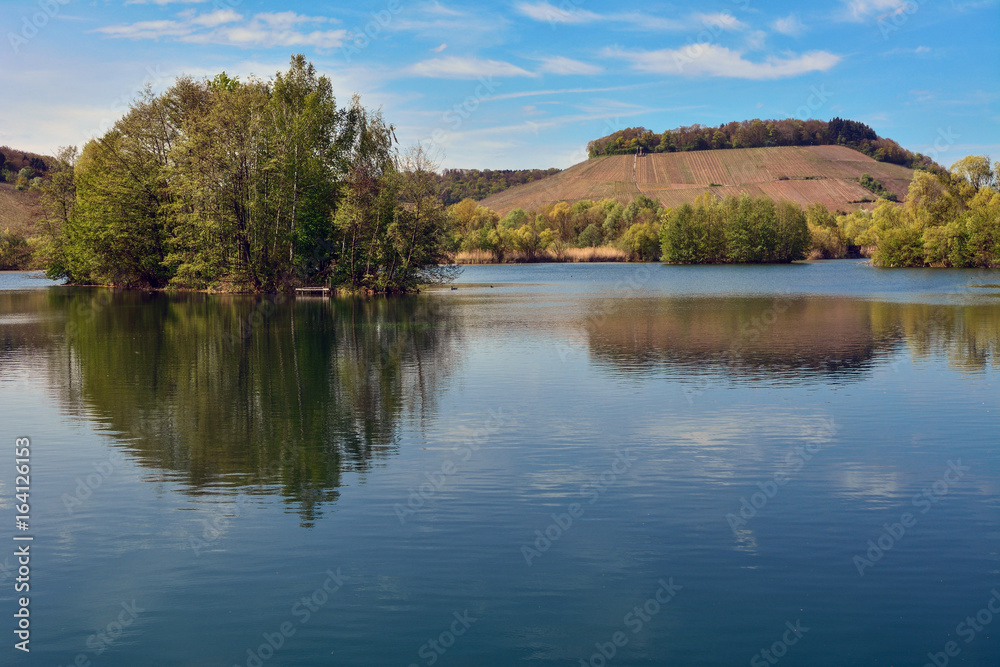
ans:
(759, 133)
(249, 185)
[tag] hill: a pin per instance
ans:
(14, 160)
(829, 175)
(458, 184)
(19, 211)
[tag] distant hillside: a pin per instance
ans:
(19, 211)
(829, 175)
(458, 184)
(757, 133)
(14, 160)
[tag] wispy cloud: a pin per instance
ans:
(563, 65)
(720, 21)
(863, 10)
(548, 13)
(569, 15)
(227, 27)
(436, 22)
(789, 25)
(904, 51)
(714, 60)
(560, 91)
(455, 67)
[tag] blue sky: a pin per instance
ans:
(525, 84)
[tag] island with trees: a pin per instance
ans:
(256, 185)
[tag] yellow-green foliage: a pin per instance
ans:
(947, 220)
(642, 241)
(826, 237)
(14, 249)
(557, 227)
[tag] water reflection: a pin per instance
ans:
(786, 338)
(237, 392)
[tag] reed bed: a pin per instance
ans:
(569, 255)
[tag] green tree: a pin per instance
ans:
(976, 169)
(589, 237)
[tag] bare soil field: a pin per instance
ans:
(802, 174)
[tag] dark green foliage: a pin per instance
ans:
(16, 160)
(737, 231)
(849, 132)
(589, 237)
(870, 183)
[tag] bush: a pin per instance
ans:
(641, 242)
(873, 185)
(14, 251)
(589, 237)
(899, 247)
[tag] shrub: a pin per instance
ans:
(641, 242)
(14, 251)
(589, 237)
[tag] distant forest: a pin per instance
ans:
(15, 163)
(458, 184)
(759, 133)
(454, 185)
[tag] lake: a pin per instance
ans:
(608, 464)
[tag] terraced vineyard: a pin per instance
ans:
(807, 174)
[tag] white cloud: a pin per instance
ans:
(217, 18)
(287, 20)
(454, 67)
(756, 40)
(862, 10)
(789, 25)
(721, 21)
(714, 60)
(561, 91)
(563, 65)
(437, 23)
(148, 29)
(641, 21)
(439, 49)
(565, 14)
(225, 26)
(543, 11)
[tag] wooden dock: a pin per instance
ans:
(311, 291)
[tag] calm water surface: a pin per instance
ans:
(505, 472)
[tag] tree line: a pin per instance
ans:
(757, 133)
(256, 185)
(949, 219)
(12, 162)
(733, 230)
